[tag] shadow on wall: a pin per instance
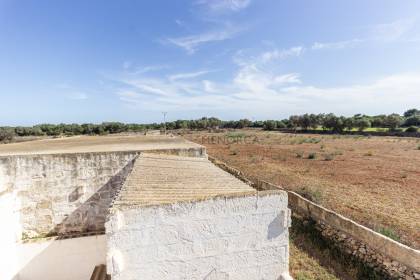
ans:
(91, 215)
(276, 228)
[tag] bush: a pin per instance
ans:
(6, 134)
(412, 129)
(303, 276)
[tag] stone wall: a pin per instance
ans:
(386, 258)
(241, 237)
(383, 255)
(63, 193)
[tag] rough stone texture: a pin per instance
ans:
(388, 258)
(237, 237)
(64, 193)
(353, 248)
(62, 186)
(158, 179)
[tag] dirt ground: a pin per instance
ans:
(373, 180)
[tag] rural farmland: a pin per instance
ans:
(372, 180)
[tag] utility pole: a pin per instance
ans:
(164, 122)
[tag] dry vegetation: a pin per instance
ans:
(303, 267)
(373, 180)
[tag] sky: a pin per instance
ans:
(94, 61)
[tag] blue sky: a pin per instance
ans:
(94, 61)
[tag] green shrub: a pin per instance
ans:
(388, 232)
(412, 129)
(303, 276)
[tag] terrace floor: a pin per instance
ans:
(67, 259)
(88, 144)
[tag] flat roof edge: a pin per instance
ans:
(115, 208)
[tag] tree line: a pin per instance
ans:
(331, 122)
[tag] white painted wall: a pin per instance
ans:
(221, 238)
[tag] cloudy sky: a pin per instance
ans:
(94, 61)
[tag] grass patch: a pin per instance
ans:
(303, 276)
(388, 232)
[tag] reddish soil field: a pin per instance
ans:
(373, 180)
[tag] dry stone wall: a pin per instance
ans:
(63, 193)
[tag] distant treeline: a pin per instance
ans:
(394, 122)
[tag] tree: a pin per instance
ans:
(362, 123)
(280, 124)
(244, 123)
(411, 113)
(378, 121)
(334, 123)
(412, 121)
(6, 134)
(393, 121)
(349, 123)
(270, 125)
(294, 122)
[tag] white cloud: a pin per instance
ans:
(258, 88)
(394, 30)
(241, 59)
(181, 76)
(281, 54)
(224, 5)
(336, 45)
(261, 93)
(191, 43)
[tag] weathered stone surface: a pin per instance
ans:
(70, 188)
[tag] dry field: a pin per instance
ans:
(373, 180)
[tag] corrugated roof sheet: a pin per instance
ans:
(160, 179)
